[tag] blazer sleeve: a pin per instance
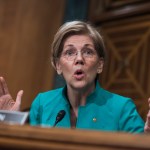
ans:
(35, 111)
(130, 120)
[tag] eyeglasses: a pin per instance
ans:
(86, 53)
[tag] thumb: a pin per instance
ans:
(149, 101)
(17, 104)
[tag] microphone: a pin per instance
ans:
(59, 116)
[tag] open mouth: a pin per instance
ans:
(79, 74)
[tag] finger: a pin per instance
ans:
(148, 119)
(149, 101)
(5, 101)
(2, 104)
(17, 104)
(146, 129)
(4, 86)
(1, 87)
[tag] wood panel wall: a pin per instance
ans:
(27, 28)
(125, 26)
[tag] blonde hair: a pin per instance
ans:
(75, 28)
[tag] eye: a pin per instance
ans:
(69, 52)
(88, 52)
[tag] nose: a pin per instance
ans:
(79, 58)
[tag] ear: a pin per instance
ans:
(58, 68)
(100, 65)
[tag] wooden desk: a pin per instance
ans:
(37, 138)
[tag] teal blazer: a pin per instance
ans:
(104, 111)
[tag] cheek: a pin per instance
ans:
(65, 66)
(93, 66)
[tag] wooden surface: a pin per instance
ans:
(125, 27)
(27, 137)
(27, 28)
(127, 68)
(107, 10)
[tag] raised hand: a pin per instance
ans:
(6, 100)
(147, 124)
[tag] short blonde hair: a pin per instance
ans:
(75, 28)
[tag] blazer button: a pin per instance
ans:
(94, 119)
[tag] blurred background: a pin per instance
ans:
(27, 28)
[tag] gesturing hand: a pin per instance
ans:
(147, 124)
(6, 101)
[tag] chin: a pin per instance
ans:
(79, 85)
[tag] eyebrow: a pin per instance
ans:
(86, 45)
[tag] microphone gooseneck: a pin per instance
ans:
(59, 116)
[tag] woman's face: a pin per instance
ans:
(79, 62)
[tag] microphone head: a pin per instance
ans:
(60, 116)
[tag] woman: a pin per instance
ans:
(78, 55)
